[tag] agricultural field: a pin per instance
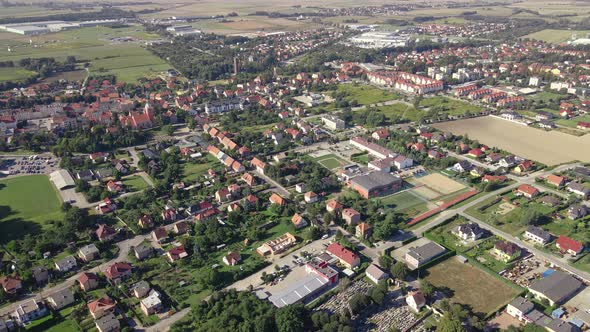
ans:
(249, 25)
(330, 161)
(27, 205)
(557, 36)
(129, 61)
(471, 286)
(548, 147)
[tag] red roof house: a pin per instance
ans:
(346, 257)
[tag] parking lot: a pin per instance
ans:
(28, 165)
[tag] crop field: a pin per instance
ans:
(556, 36)
(27, 203)
(547, 147)
(330, 161)
(471, 286)
(250, 25)
(14, 74)
(128, 61)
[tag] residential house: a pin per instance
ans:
(40, 274)
(140, 289)
(66, 264)
(374, 273)
(537, 235)
(151, 304)
(181, 227)
(351, 216)
(298, 221)
(577, 211)
(169, 214)
(29, 311)
(143, 251)
(60, 299)
(363, 230)
(555, 180)
(310, 197)
(101, 307)
(333, 206)
(146, 221)
(88, 252)
(525, 166)
(11, 284)
(416, 300)
(88, 281)
(278, 245)
(380, 134)
(468, 232)
(107, 323)
(519, 308)
(277, 199)
(462, 166)
(550, 200)
(569, 246)
(232, 258)
(579, 189)
(116, 272)
(105, 233)
(160, 234)
(506, 251)
(176, 254)
(345, 256)
(249, 179)
(528, 191)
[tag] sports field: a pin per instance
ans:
(27, 203)
(330, 161)
(471, 286)
(547, 147)
(407, 202)
(440, 183)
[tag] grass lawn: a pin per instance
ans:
(573, 122)
(547, 96)
(366, 95)
(583, 263)
(401, 111)
(452, 107)
(556, 36)
(330, 161)
(14, 74)
(135, 183)
(65, 326)
(471, 286)
(403, 200)
(363, 158)
(193, 171)
(27, 203)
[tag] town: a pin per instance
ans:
(341, 171)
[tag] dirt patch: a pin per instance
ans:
(440, 183)
(505, 208)
(548, 147)
(426, 192)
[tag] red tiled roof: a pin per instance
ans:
(342, 253)
(565, 243)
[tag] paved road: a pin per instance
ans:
(279, 188)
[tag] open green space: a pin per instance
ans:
(556, 36)
(449, 106)
(14, 74)
(193, 171)
(27, 204)
(366, 95)
(135, 183)
(129, 61)
(573, 122)
(549, 97)
(400, 112)
(471, 286)
(583, 263)
(403, 200)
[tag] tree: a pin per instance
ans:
(291, 318)
(358, 302)
(399, 271)
(427, 288)
(377, 294)
(530, 217)
(447, 324)
(385, 262)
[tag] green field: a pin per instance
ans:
(27, 203)
(471, 286)
(573, 122)
(366, 95)
(330, 161)
(400, 111)
(128, 61)
(556, 36)
(194, 171)
(135, 183)
(451, 106)
(14, 74)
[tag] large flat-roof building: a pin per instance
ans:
(418, 256)
(556, 287)
(375, 184)
(62, 179)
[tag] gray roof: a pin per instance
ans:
(538, 231)
(471, 229)
(558, 286)
(426, 252)
(522, 304)
(374, 271)
(300, 290)
(558, 325)
(375, 180)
